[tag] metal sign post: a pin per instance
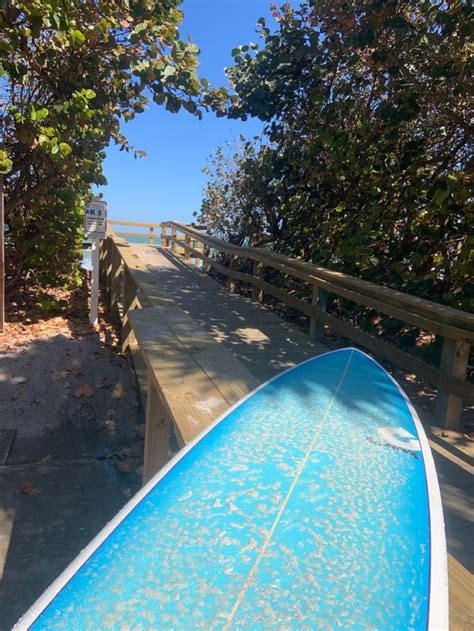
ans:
(95, 226)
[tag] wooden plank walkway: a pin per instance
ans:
(260, 340)
(266, 345)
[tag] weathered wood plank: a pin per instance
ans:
(192, 400)
(228, 375)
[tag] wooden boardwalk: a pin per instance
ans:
(265, 345)
(263, 342)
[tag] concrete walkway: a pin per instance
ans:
(74, 406)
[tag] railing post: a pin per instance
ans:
(233, 265)
(319, 300)
(258, 270)
(164, 238)
(454, 361)
(187, 241)
(206, 250)
(173, 241)
(157, 433)
(152, 236)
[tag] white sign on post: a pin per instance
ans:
(95, 227)
(95, 220)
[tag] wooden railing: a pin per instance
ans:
(156, 234)
(455, 326)
(152, 234)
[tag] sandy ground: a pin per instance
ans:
(76, 455)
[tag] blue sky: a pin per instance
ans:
(168, 183)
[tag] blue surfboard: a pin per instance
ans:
(311, 504)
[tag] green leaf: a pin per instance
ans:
(42, 113)
(5, 163)
(65, 149)
(76, 37)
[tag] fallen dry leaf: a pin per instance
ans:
(100, 382)
(56, 375)
(123, 466)
(119, 391)
(18, 379)
(76, 371)
(28, 489)
(84, 390)
(46, 459)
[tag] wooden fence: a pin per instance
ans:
(455, 326)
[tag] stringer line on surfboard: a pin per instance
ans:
(300, 470)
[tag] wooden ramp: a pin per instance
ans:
(205, 348)
(263, 342)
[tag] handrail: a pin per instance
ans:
(117, 222)
(455, 326)
(454, 318)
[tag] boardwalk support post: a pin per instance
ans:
(454, 360)
(157, 433)
(152, 236)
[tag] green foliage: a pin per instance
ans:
(70, 72)
(364, 166)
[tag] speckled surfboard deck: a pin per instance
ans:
(311, 504)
